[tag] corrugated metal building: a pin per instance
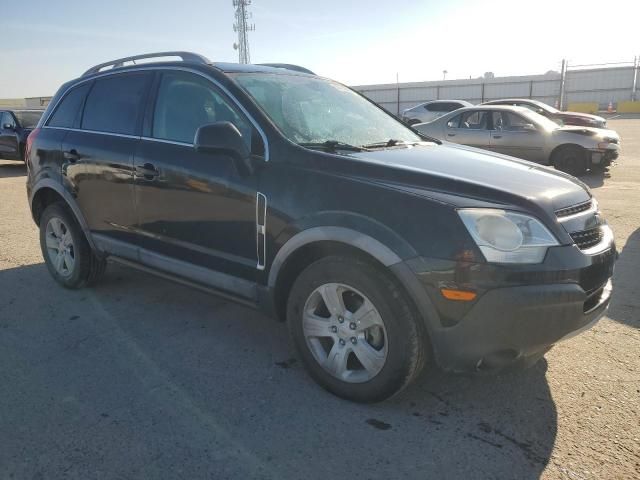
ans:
(596, 85)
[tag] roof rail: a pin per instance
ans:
(185, 56)
(288, 66)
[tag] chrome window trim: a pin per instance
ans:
(97, 132)
(171, 142)
(156, 68)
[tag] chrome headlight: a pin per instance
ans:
(507, 237)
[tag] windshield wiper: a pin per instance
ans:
(392, 142)
(333, 145)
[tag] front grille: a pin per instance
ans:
(581, 207)
(587, 238)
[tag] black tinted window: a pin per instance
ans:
(7, 119)
(28, 119)
(115, 104)
(69, 108)
(443, 107)
(185, 103)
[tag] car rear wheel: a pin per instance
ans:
(354, 329)
(65, 249)
(571, 159)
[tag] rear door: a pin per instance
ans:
(100, 153)
(8, 136)
(515, 135)
(469, 128)
(196, 211)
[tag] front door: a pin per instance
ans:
(8, 137)
(196, 211)
(515, 135)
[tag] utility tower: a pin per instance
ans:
(242, 27)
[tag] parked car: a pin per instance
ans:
(428, 111)
(15, 126)
(521, 133)
(384, 250)
(558, 116)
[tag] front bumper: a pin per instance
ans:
(603, 157)
(520, 311)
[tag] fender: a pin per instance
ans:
(381, 252)
(367, 244)
(68, 198)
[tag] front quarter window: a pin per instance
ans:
(314, 110)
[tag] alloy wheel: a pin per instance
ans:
(60, 247)
(345, 332)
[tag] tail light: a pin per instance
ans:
(30, 139)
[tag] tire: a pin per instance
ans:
(571, 159)
(65, 249)
(393, 346)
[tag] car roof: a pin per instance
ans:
(496, 108)
(523, 100)
(281, 69)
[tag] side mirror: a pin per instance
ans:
(221, 137)
(529, 127)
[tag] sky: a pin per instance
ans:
(47, 42)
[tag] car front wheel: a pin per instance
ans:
(355, 330)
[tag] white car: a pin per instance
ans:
(428, 111)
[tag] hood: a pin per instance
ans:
(590, 131)
(468, 172)
(585, 116)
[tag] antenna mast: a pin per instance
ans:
(242, 27)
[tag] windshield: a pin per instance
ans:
(540, 120)
(544, 106)
(27, 119)
(314, 110)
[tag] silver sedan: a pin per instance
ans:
(519, 132)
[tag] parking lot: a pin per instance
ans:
(142, 378)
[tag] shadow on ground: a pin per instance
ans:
(593, 179)
(625, 303)
(139, 377)
(10, 168)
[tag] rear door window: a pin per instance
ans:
(115, 103)
(67, 114)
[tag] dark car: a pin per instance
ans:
(558, 116)
(15, 127)
(293, 194)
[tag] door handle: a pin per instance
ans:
(147, 171)
(497, 136)
(451, 134)
(71, 155)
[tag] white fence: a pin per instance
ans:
(599, 85)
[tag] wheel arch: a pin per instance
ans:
(312, 244)
(47, 192)
(564, 146)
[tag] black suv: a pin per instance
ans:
(291, 193)
(15, 127)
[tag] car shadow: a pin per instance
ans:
(10, 168)
(144, 375)
(625, 302)
(593, 179)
